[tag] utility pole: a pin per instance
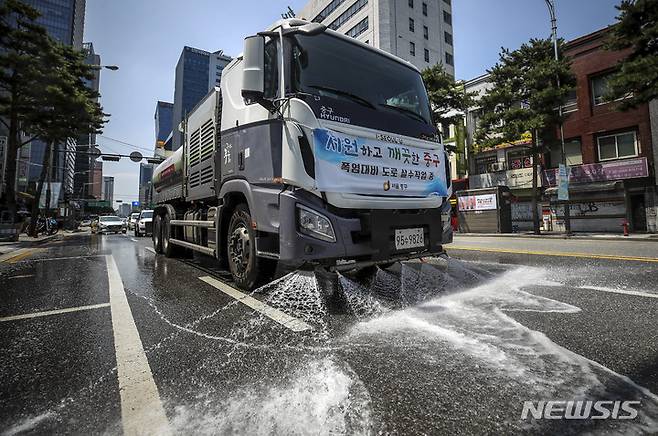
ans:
(51, 160)
(551, 10)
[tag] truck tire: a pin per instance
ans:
(157, 234)
(168, 249)
(247, 269)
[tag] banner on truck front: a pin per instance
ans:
(356, 165)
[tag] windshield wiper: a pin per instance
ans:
(405, 111)
(349, 95)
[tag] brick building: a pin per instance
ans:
(610, 154)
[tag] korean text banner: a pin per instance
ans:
(350, 164)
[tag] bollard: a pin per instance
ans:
(624, 224)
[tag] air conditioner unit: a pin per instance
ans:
(496, 166)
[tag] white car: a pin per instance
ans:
(144, 224)
(110, 224)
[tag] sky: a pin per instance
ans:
(145, 37)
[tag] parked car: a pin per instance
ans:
(109, 224)
(144, 224)
(132, 219)
(85, 223)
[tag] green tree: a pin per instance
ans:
(448, 99)
(70, 109)
(524, 98)
(637, 77)
(23, 45)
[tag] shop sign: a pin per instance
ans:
(514, 179)
(477, 202)
(602, 172)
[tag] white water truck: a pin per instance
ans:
(316, 149)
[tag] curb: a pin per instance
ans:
(575, 237)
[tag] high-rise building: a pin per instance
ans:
(197, 72)
(64, 21)
(145, 183)
(108, 189)
(84, 164)
(164, 121)
(124, 209)
(419, 31)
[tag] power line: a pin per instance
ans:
(127, 144)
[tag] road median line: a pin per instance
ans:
(555, 254)
(289, 322)
(142, 412)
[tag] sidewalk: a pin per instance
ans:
(24, 241)
(651, 237)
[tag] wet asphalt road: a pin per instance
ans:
(444, 347)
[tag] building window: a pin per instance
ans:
(349, 13)
(447, 37)
(482, 164)
(599, 88)
(412, 49)
(357, 30)
(427, 55)
(571, 103)
(411, 4)
(426, 32)
(425, 9)
(617, 146)
(572, 151)
(327, 10)
(449, 59)
(411, 24)
(447, 18)
(519, 159)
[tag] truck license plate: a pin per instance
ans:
(409, 238)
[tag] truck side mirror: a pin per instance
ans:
(253, 79)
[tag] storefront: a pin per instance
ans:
(602, 196)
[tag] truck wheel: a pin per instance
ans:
(247, 269)
(168, 249)
(157, 234)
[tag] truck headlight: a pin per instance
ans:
(315, 224)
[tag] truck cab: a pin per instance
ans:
(315, 149)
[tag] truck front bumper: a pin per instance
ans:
(363, 236)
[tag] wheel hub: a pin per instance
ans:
(240, 249)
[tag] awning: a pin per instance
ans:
(588, 187)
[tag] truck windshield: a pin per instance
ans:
(327, 65)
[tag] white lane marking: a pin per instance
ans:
(618, 291)
(141, 409)
(24, 276)
(134, 240)
(53, 312)
(150, 249)
(292, 323)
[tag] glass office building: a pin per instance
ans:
(197, 72)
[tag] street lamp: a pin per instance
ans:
(108, 67)
(550, 4)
